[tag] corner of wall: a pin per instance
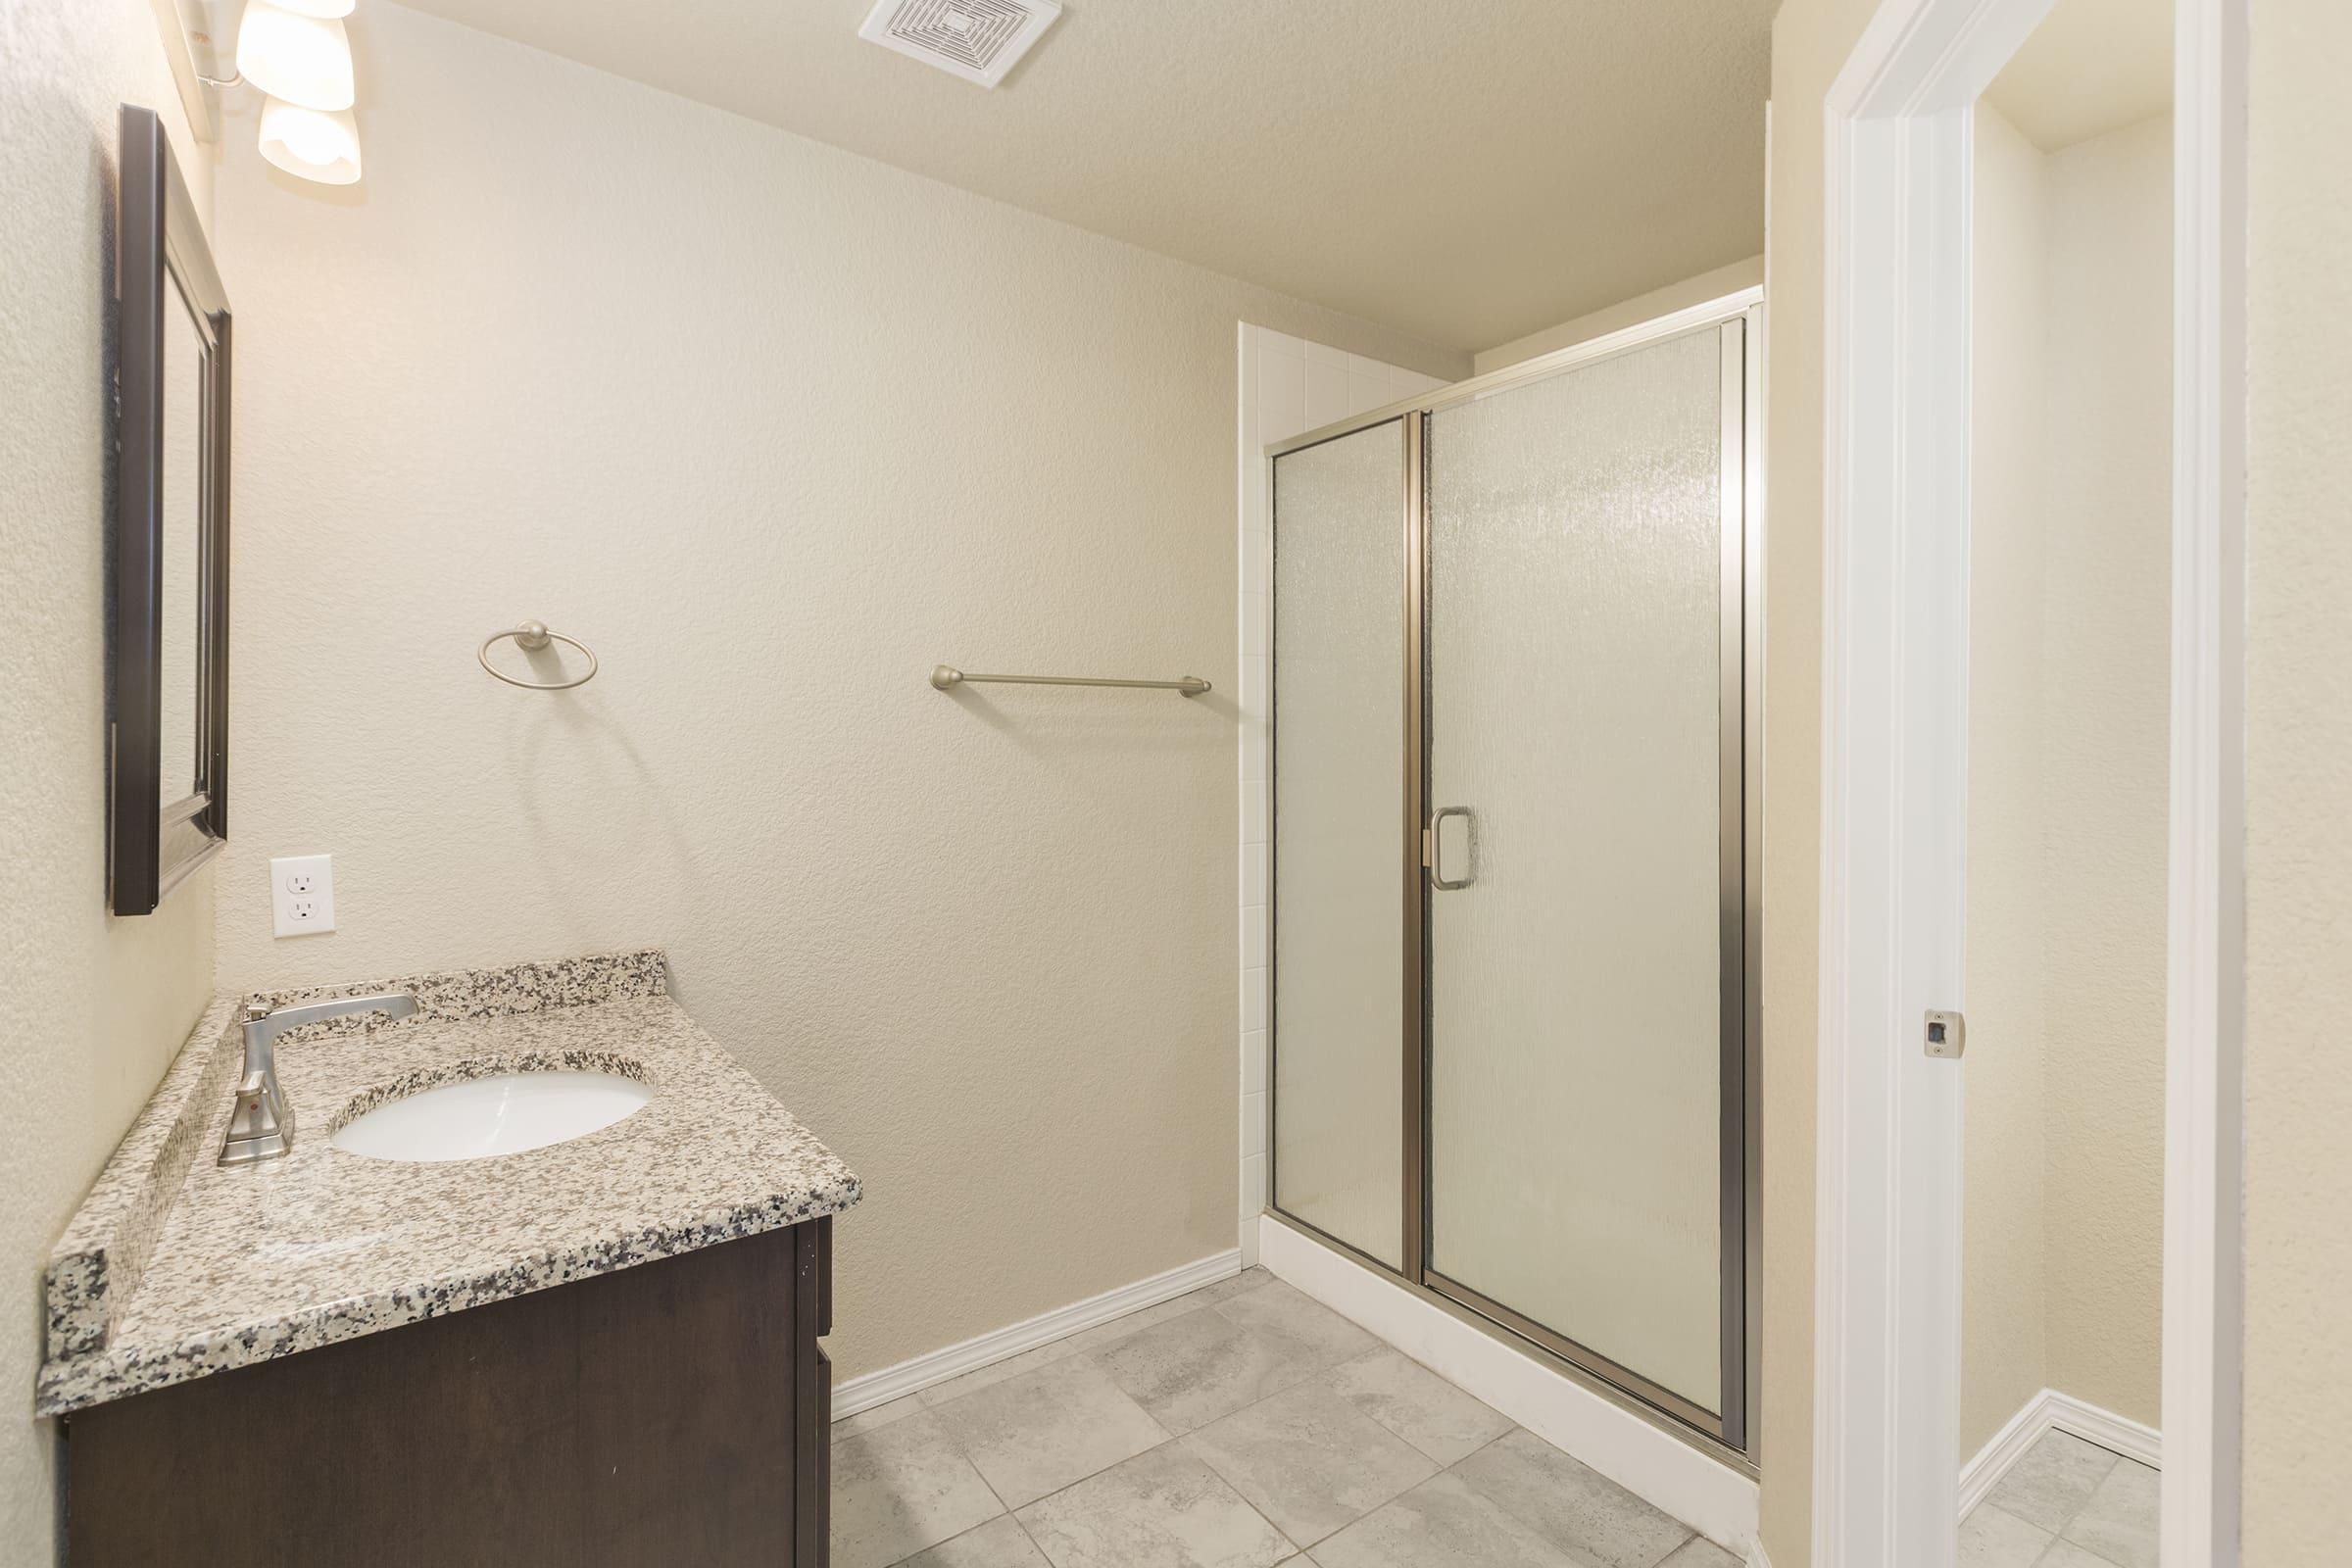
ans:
(116, 996)
(1713, 284)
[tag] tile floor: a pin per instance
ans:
(2067, 1503)
(1240, 1426)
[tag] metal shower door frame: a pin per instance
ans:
(1737, 319)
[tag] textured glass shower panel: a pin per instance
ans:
(1574, 676)
(1338, 809)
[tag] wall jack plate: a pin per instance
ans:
(302, 894)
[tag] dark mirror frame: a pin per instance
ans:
(160, 248)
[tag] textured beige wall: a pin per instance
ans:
(1810, 41)
(2069, 676)
(1642, 308)
(2106, 705)
(103, 1004)
(2299, 756)
(776, 429)
(2003, 1340)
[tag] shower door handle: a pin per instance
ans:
(1432, 855)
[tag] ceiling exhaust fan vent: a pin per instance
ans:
(975, 40)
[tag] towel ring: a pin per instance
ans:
(530, 637)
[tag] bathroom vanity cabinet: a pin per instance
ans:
(595, 1349)
(673, 1412)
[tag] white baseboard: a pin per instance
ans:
(1708, 1496)
(1756, 1558)
(892, 1381)
(2052, 1412)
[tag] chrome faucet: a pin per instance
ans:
(261, 1126)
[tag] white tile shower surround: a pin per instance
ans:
(2066, 1503)
(1241, 1425)
(1287, 386)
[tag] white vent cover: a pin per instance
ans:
(975, 40)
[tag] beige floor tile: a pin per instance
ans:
(900, 1488)
(2119, 1522)
(1441, 1523)
(1310, 1461)
(1994, 1537)
(1570, 1505)
(1286, 1316)
(1045, 1429)
(1249, 1279)
(1163, 1509)
(1193, 1369)
(881, 1415)
(1004, 1371)
(1103, 1335)
(1229, 1427)
(2066, 1554)
(2053, 1481)
(999, 1543)
(1418, 1405)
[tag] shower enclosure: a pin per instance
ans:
(1513, 789)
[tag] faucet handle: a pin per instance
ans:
(261, 1125)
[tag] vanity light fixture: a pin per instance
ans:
(311, 142)
(295, 54)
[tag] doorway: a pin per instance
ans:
(1891, 1286)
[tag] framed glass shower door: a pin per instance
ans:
(1582, 684)
(1511, 999)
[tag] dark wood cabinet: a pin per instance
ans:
(674, 1412)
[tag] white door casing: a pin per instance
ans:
(1895, 533)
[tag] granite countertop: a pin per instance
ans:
(176, 1267)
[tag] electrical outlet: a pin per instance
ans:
(302, 894)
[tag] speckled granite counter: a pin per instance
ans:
(174, 1267)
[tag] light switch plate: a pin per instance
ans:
(302, 894)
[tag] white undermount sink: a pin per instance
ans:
(504, 1113)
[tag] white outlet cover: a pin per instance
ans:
(302, 894)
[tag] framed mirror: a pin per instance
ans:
(168, 725)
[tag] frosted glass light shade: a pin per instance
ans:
(302, 59)
(311, 142)
(316, 8)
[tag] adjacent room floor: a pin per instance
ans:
(2067, 1503)
(1240, 1426)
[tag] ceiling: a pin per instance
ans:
(2093, 66)
(1467, 171)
